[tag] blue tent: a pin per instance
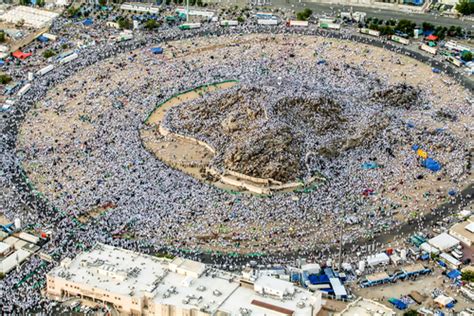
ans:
(318, 279)
(415, 147)
(432, 165)
(369, 165)
(321, 62)
(453, 274)
(87, 22)
(42, 39)
(157, 50)
(2, 62)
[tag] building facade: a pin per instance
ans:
(137, 284)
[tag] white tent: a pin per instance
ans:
(444, 242)
(380, 258)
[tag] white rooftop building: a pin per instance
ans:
(138, 284)
(31, 16)
(380, 258)
(444, 242)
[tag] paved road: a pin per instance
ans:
(330, 9)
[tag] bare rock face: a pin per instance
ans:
(320, 114)
(271, 152)
(265, 132)
(400, 95)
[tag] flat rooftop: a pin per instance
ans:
(413, 268)
(465, 229)
(172, 282)
(377, 276)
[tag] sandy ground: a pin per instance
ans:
(424, 285)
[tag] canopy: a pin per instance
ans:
(431, 37)
(157, 50)
(423, 154)
(42, 39)
(432, 165)
(20, 55)
(453, 274)
(87, 22)
(369, 165)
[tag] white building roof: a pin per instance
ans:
(450, 259)
(31, 16)
(132, 274)
(443, 300)
(378, 259)
(443, 241)
(428, 248)
(10, 262)
(268, 282)
(470, 227)
(4, 247)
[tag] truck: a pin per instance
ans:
(454, 61)
(332, 26)
(122, 37)
(229, 23)
(399, 39)
(50, 36)
(28, 237)
(267, 21)
(426, 48)
(68, 58)
(24, 90)
(189, 26)
(297, 23)
(264, 15)
(369, 32)
(43, 71)
(452, 45)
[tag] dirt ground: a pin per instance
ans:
(424, 285)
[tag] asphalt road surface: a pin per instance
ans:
(331, 9)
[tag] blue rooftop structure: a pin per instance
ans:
(157, 50)
(87, 22)
(318, 279)
(453, 274)
(42, 39)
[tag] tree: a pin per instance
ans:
(2, 36)
(240, 19)
(304, 15)
(167, 2)
(40, 3)
(151, 24)
(405, 26)
(467, 276)
(48, 53)
(465, 7)
(427, 26)
(124, 23)
(466, 55)
(4, 79)
(102, 3)
(411, 312)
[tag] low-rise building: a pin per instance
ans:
(138, 284)
(464, 231)
(444, 242)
